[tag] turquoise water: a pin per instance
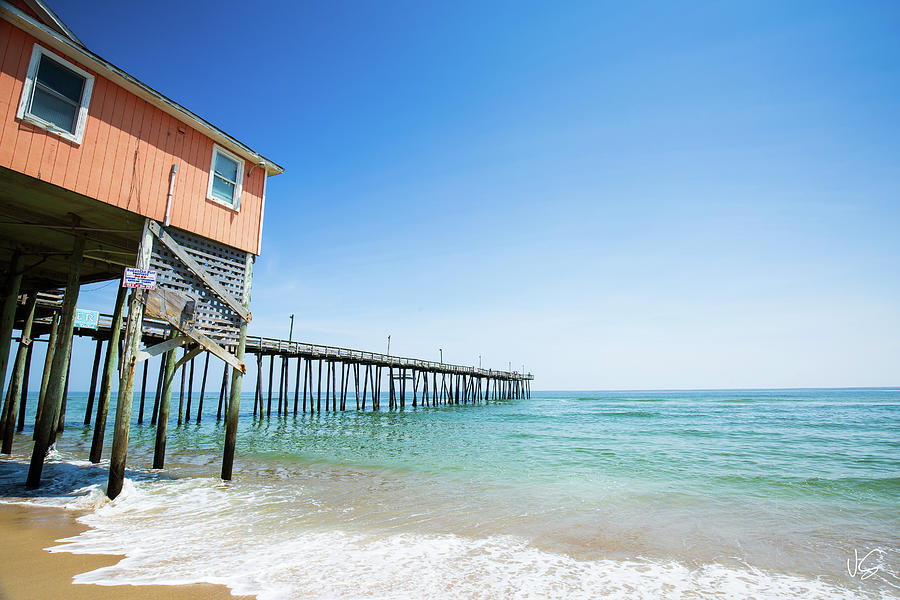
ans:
(682, 494)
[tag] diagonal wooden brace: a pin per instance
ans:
(187, 357)
(205, 343)
(170, 344)
(199, 271)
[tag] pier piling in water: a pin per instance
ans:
(433, 383)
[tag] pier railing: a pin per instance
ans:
(274, 346)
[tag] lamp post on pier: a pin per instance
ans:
(389, 346)
(291, 332)
(441, 350)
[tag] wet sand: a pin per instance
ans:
(29, 572)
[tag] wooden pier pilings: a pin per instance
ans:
(360, 373)
(311, 378)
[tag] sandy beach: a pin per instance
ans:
(29, 572)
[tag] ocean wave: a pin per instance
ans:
(630, 413)
(247, 538)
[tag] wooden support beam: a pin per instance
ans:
(307, 374)
(165, 346)
(280, 384)
(257, 396)
(13, 396)
(403, 388)
(190, 393)
(132, 341)
(202, 388)
(61, 353)
(109, 371)
(89, 410)
(345, 382)
(45, 377)
(224, 390)
(165, 402)
(391, 387)
(356, 383)
(376, 390)
(318, 391)
(61, 416)
(269, 399)
(143, 392)
(365, 386)
(237, 375)
(181, 389)
(24, 397)
(159, 385)
(297, 385)
(287, 382)
(8, 310)
(333, 386)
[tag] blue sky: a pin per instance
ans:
(616, 195)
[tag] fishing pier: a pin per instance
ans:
(292, 378)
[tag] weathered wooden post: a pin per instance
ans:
(234, 402)
(143, 392)
(318, 391)
(297, 385)
(333, 386)
(24, 401)
(269, 392)
(8, 311)
(223, 399)
(223, 390)
(391, 386)
(94, 370)
(126, 378)
(202, 388)
(329, 368)
(61, 417)
(159, 385)
(11, 408)
(356, 383)
(48, 420)
(376, 391)
(48, 363)
(402, 387)
(109, 371)
(257, 394)
(165, 402)
(181, 392)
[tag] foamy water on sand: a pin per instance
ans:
(627, 495)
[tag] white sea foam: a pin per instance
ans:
(255, 541)
(277, 537)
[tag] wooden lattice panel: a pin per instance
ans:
(226, 264)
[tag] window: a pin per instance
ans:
(56, 95)
(225, 176)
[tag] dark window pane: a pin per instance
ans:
(223, 190)
(53, 110)
(60, 79)
(226, 168)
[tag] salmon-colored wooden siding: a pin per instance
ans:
(125, 157)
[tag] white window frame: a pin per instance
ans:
(27, 91)
(239, 184)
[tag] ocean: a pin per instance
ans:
(658, 494)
